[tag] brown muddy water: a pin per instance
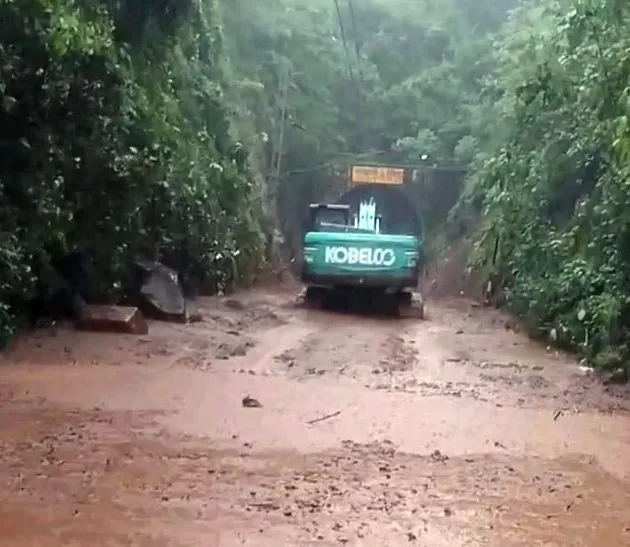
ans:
(369, 432)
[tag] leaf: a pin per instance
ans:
(8, 103)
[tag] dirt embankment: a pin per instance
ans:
(452, 431)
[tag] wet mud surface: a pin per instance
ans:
(374, 432)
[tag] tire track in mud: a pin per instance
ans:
(454, 438)
(356, 349)
(375, 495)
(169, 490)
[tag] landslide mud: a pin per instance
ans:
(452, 431)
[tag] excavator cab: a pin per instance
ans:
(325, 216)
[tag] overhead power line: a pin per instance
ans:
(353, 19)
(358, 83)
(344, 40)
(361, 83)
(354, 157)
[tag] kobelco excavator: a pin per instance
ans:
(349, 252)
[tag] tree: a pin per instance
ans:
(399, 82)
(553, 187)
(116, 138)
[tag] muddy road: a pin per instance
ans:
(362, 431)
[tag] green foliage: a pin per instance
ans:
(131, 127)
(407, 82)
(403, 83)
(554, 182)
(115, 137)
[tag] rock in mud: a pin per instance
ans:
(121, 319)
(234, 304)
(250, 402)
(160, 293)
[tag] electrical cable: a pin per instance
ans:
(342, 31)
(357, 83)
(361, 83)
(353, 19)
(421, 167)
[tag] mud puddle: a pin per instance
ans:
(452, 431)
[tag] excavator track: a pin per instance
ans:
(410, 305)
(313, 297)
(402, 305)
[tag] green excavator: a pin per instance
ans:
(345, 252)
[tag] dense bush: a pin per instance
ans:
(117, 121)
(555, 186)
(115, 139)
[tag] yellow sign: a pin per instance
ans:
(362, 174)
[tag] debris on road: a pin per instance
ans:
(160, 293)
(326, 417)
(249, 402)
(117, 319)
(471, 456)
(234, 304)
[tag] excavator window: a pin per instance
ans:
(322, 216)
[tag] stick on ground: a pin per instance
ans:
(322, 418)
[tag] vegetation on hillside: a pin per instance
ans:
(175, 128)
(553, 183)
(530, 96)
(326, 83)
(128, 128)
(116, 140)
